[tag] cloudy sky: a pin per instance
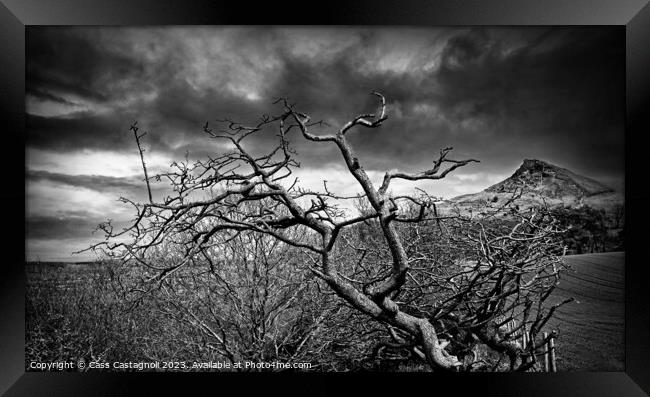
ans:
(496, 94)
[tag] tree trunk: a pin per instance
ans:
(436, 355)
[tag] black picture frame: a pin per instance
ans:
(631, 15)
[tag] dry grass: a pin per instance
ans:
(72, 313)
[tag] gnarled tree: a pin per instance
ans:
(419, 273)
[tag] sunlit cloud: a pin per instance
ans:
(93, 162)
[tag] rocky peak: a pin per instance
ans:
(535, 166)
(549, 180)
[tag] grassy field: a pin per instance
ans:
(591, 330)
(69, 311)
(67, 305)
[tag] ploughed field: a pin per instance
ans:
(591, 329)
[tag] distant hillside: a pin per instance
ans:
(546, 183)
(551, 181)
(593, 212)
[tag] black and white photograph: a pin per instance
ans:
(325, 198)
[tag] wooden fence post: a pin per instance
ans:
(523, 342)
(551, 345)
(546, 363)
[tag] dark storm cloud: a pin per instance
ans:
(72, 61)
(496, 94)
(93, 182)
(62, 226)
(133, 187)
(561, 95)
(82, 130)
(67, 225)
(557, 91)
(49, 96)
(334, 89)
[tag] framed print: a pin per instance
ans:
(367, 198)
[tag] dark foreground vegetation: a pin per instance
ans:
(73, 312)
(591, 230)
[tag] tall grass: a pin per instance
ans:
(79, 312)
(72, 313)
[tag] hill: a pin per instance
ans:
(592, 213)
(545, 183)
(551, 181)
